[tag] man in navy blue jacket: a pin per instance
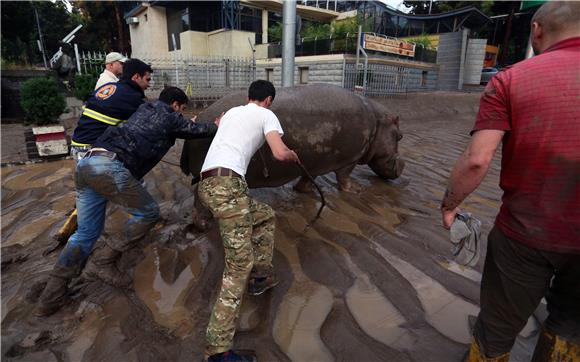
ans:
(110, 105)
(111, 171)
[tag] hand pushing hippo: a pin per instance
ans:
(330, 128)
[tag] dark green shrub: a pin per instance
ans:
(84, 86)
(42, 100)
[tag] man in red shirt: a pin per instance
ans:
(533, 109)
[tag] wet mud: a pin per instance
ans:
(371, 280)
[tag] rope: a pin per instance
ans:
(322, 200)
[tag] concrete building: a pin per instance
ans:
(175, 31)
(210, 28)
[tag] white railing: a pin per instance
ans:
(201, 77)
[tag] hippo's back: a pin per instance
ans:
(328, 127)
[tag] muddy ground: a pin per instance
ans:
(370, 281)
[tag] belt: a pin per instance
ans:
(104, 153)
(220, 171)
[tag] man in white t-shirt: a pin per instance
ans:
(113, 69)
(246, 225)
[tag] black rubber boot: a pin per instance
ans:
(233, 356)
(259, 285)
(102, 265)
(54, 295)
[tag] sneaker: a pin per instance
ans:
(233, 356)
(257, 286)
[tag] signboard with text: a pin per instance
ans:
(388, 45)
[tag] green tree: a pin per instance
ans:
(104, 26)
(422, 40)
(20, 32)
(275, 33)
(340, 28)
(316, 30)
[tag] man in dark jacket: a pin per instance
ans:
(110, 105)
(111, 171)
(113, 103)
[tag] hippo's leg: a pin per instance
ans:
(200, 215)
(304, 185)
(345, 182)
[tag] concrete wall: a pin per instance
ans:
(422, 80)
(450, 60)
(231, 43)
(227, 43)
(11, 82)
(194, 43)
(262, 51)
(320, 69)
(474, 58)
(330, 69)
(150, 35)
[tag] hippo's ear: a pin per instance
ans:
(396, 121)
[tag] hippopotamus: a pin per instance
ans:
(330, 128)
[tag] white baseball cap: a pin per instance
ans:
(115, 57)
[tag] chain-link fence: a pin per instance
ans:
(380, 80)
(202, 78)
(206, 79)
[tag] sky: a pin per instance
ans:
(397, 4)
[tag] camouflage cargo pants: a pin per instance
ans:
(247, 231)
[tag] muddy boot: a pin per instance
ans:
(102, 265)
(54, 295)
(476, 355)
(233, 355)
(258, 285)
(69, 227)
(551, 347)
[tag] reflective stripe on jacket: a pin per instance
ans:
(110, 105)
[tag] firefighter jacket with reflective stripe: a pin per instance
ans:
(142, 141)
(109, 105)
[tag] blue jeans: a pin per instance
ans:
(100, 179)
(78, 152)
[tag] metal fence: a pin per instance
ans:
(317, 46)
(91, 62)
(206, 79)
(202, 78)
(379, 80)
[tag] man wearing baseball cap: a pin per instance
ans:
(113, 69)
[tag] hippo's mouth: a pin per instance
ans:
(390, 169)
(395, 167)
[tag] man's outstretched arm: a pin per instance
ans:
(468, 172)
(279, 149)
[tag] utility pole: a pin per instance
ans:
(288, 42)
(43, 50)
